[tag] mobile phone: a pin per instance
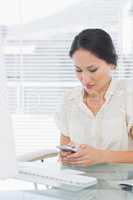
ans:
(68, 148)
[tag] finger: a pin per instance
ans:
(71, 144)
(58, 158)
(79, 163)
(64, 154)
(83, 146)
(74, 155)
(82, 158)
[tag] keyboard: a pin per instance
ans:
(38, 173)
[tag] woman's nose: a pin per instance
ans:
(86, 78)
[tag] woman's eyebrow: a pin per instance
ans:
(90, 66)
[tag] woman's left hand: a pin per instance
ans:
(85, 156)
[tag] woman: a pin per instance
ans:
(98, 116)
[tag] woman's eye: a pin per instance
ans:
(78, 71)
(90, 70)
(93, 70)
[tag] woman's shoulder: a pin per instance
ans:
(129, 85)
(73, 93)
(124, 84)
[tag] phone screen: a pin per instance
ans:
(67, 148)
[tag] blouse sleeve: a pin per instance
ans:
(61, 116)
(129, 105)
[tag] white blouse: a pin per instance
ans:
(109, 128)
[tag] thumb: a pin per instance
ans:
(83, 146)
(71, 143)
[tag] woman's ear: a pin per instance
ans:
(131, 132)
(113, 67)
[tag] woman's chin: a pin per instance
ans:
(90, 90)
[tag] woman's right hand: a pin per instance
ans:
(64, 154)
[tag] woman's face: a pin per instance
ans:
(93, 72)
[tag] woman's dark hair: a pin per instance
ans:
(98, 42)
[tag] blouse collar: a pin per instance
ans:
(78, 92)
(110, 91)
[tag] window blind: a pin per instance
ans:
(36, 85)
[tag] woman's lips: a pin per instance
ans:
(89, 86)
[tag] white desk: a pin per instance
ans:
(98, 195)
(107, 188)
(23, 195)
(104, 190)
(13, 185)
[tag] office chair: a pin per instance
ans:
(38, 155)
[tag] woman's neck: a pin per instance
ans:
(96, 96)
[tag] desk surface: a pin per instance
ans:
(95, 195)
(24, 195)
(108, 176)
